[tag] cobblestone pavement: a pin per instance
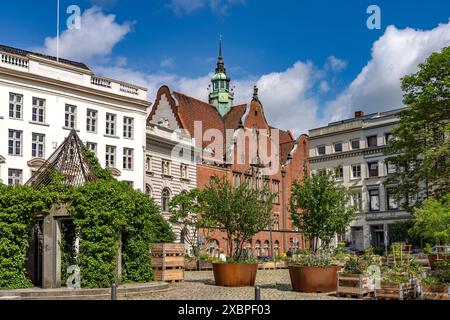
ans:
(199, 285)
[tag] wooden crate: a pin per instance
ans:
(396, 291)
(167, 249)
(168, 261)
(435, 292)
(354, 285)
(169, 275)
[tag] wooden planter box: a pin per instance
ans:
(396, 291)
(168, 261)
(435, 292)
(191, 265)
(359, 285)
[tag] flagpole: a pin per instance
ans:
(57, 30)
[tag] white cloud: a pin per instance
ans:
(335, 64)
(167, 62)
(98, 34)
(186, 7)
(324, 86)
(395, 54)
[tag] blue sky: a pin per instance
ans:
(314, 61)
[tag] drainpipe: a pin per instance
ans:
(283, 203)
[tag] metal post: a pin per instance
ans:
(283, 204)
(257, 293)
(113, 291)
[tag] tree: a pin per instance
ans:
(432, 220)
(241, 212)
(185, 210)
(320, 208)
(420, 150)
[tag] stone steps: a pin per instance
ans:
(83, 294)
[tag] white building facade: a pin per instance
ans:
(170, 169)
(354, 150)
(42, 99)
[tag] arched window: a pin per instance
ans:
(149, 191)
(258, 248)
(276, 223)
(276, 248)
(165, 198)
(266, 248)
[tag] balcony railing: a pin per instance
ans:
(14, 60)
(129, 89)
(102, 82)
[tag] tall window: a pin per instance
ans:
(373, 169)
(128, 127)
(110, 156)
(91, 121)
(15, 106)
(15, 142)
(357, 201)
(354, 144)
(266, 248)
(276, 221)
(372, 141)
(337, 147)
(148, 163)
(339, 173)
(374, 200)
(92, 146)
(165, 198)
(149, 190)
(184, 171)
(110, 124)
(165, 167)
(38, 110)
(388, 137)
(14, 176)
(38, 145)
(276, 248)
(276, 191)
(70, 120)
(128, 158)
(258, 248)
(390, 168)
(321, 150)
(391, 203)
(356, 171)
(236, 179)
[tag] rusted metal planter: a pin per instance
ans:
(314, 279)
(235, 274)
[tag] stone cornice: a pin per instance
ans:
(347, 154)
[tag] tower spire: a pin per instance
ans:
(220, 68)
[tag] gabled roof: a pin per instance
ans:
(68, 159)
(24, 53)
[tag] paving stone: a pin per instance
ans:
(199, 285)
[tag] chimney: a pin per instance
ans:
(359, 114)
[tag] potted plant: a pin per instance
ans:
(320, 209)
(359, 274)
(313, 272)
(241, 213)
(432, 221)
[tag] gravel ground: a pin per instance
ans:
(199, 285)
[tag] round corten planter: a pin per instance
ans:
(235, 274)
(314, 279)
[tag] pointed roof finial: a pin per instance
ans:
(255, 92)
(220, 68)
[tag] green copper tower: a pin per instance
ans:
(220, 96)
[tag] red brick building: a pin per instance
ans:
(224, 135)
